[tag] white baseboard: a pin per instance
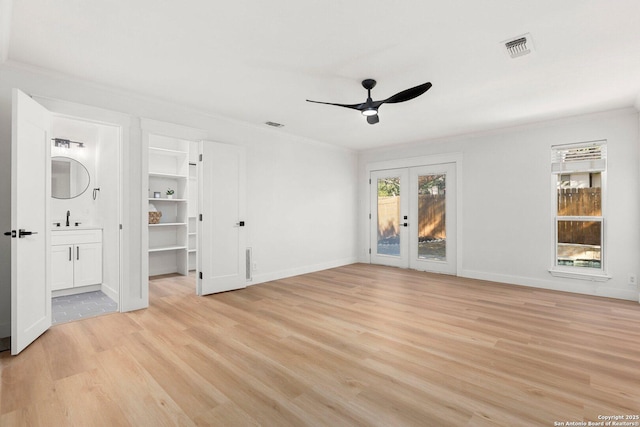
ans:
(74, 291)
(111, 293)
(569, 285)
(282, 274)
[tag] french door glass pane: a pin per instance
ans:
(389, 216)
(432, 233)
(579, 243)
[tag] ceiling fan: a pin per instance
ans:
(369, 108)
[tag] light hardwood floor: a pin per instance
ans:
(356, 345)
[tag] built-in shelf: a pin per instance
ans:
(166, 175)
(168, 166)
(167, 248)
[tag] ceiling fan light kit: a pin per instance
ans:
(369, 108)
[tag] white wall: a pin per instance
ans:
(301, 193)
(506, 231)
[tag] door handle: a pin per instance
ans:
(77, 252)
(240, 224)
(22, 233)
(11, 233)
(69, 253)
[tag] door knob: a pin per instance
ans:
(22, 232)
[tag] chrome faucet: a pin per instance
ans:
(68, 215)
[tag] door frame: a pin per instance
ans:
(155, 127)
(456, 158)
(90, 114)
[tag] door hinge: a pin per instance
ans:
(369, 216)
(200, 275)
(369, 251)
(200, 216)
(200, 157)
(120, 226)
(369, 181)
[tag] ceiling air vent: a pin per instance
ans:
(519, 46)
(274, 124)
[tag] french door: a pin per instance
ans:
(413, 218)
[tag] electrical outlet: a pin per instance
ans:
(633, 280)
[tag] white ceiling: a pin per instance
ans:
(258, 61)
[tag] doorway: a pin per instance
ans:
(65, 210)
(413, 218)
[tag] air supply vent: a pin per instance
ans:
(519, 46)
(274, 124)
(248, 263)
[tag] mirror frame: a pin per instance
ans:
(85, 170)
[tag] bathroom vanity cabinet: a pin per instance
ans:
(76, 258)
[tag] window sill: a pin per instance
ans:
(594, 277)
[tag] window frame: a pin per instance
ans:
(559, 168)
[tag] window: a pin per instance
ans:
(579, 172)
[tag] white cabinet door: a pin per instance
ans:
(87, 264)
(61, 267)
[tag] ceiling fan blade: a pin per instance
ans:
(352, 106)
(408, 94)
(372, 120)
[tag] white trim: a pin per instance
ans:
(6, 7)
(568, 274)
(172, 130)
(586, 287)
(282, 274)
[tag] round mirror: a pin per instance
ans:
(69, 178)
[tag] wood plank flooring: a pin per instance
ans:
(355, 345)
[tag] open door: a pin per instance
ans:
(30, 234)
(221, 237)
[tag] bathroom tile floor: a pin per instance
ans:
(81, 306)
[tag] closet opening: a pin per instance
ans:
(173, 212)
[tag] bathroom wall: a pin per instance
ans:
(82, 208)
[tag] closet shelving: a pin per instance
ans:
(169, 240)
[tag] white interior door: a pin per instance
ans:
(390, 217)
(221, 238)
(30, 195)
(433, 206)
